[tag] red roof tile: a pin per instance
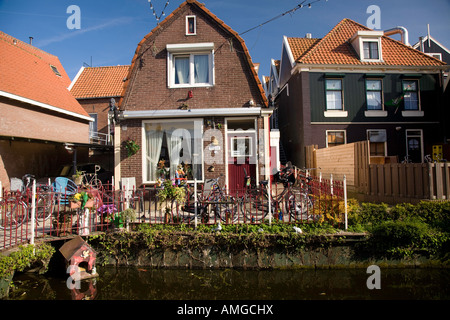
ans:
(26, 72)
(335, 48)
(99, 82)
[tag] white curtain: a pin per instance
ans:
(201, 68)
(373, 100)
(174, 146)
(181, 70)
(154, 142)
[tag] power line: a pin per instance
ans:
(299, 6)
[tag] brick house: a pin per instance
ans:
(192, 97)
(358, 84)
(98, 90)
(40, 119)
(94, 87)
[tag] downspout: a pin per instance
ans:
(399, 30)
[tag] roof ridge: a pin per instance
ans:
(26, 46)
(329, 34)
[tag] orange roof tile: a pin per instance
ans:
(300, 46)
(26, 73)
(335, 48)
(96, 82)
(202, 7)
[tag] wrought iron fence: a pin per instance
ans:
(59, 214)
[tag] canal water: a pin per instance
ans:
(132, 283)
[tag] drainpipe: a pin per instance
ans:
(401, 30)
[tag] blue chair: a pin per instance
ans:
(64, 188)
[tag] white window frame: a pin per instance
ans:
(326, 135)
(370, 51)
(362, 36)
(187, 26)
(144, 146)
(174, 50)
(413, 112)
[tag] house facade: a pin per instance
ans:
(357, 84)
(98, 90)
(41, 122)
(192, 100)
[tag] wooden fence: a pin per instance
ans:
(388, 182)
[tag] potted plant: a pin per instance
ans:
(127, 216)
(169, 194)
(78, 177)
(132, 147)
(81, 200)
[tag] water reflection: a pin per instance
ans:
(155, 284)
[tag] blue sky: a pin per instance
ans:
(110, 30)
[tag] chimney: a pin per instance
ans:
(421, 44)
(308, 36)
(31, 40)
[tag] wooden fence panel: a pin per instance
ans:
(389, 182)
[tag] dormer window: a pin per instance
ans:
(191, 26)
(371, 51)
(367, 45)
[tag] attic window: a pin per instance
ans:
(191, 26)
(368, 45)
(55, 70)
(370, 49)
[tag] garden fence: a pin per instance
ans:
(322, 200)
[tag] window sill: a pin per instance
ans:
(412, 113)
(335, 114)
(178, 86)
(375, 113)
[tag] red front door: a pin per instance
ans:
(241, 161)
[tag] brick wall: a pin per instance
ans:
(147, 87)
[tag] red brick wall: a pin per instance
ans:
(147, 86)
(100, 106)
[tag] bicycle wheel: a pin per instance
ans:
(299, 206)
(226, 209)
(254, 206)
(13, 213)
(44, 206)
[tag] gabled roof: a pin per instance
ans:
(335, 49)
(31, 75)
(225, 27)
(99, 82)
(300, 46)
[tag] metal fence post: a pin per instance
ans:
(270, 200)
(195, 203)
(345, 202)
(33, 211)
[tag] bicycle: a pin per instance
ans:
(258, 198)
(224, 206)
(14, 210)
(301, 203)
(91, 180)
